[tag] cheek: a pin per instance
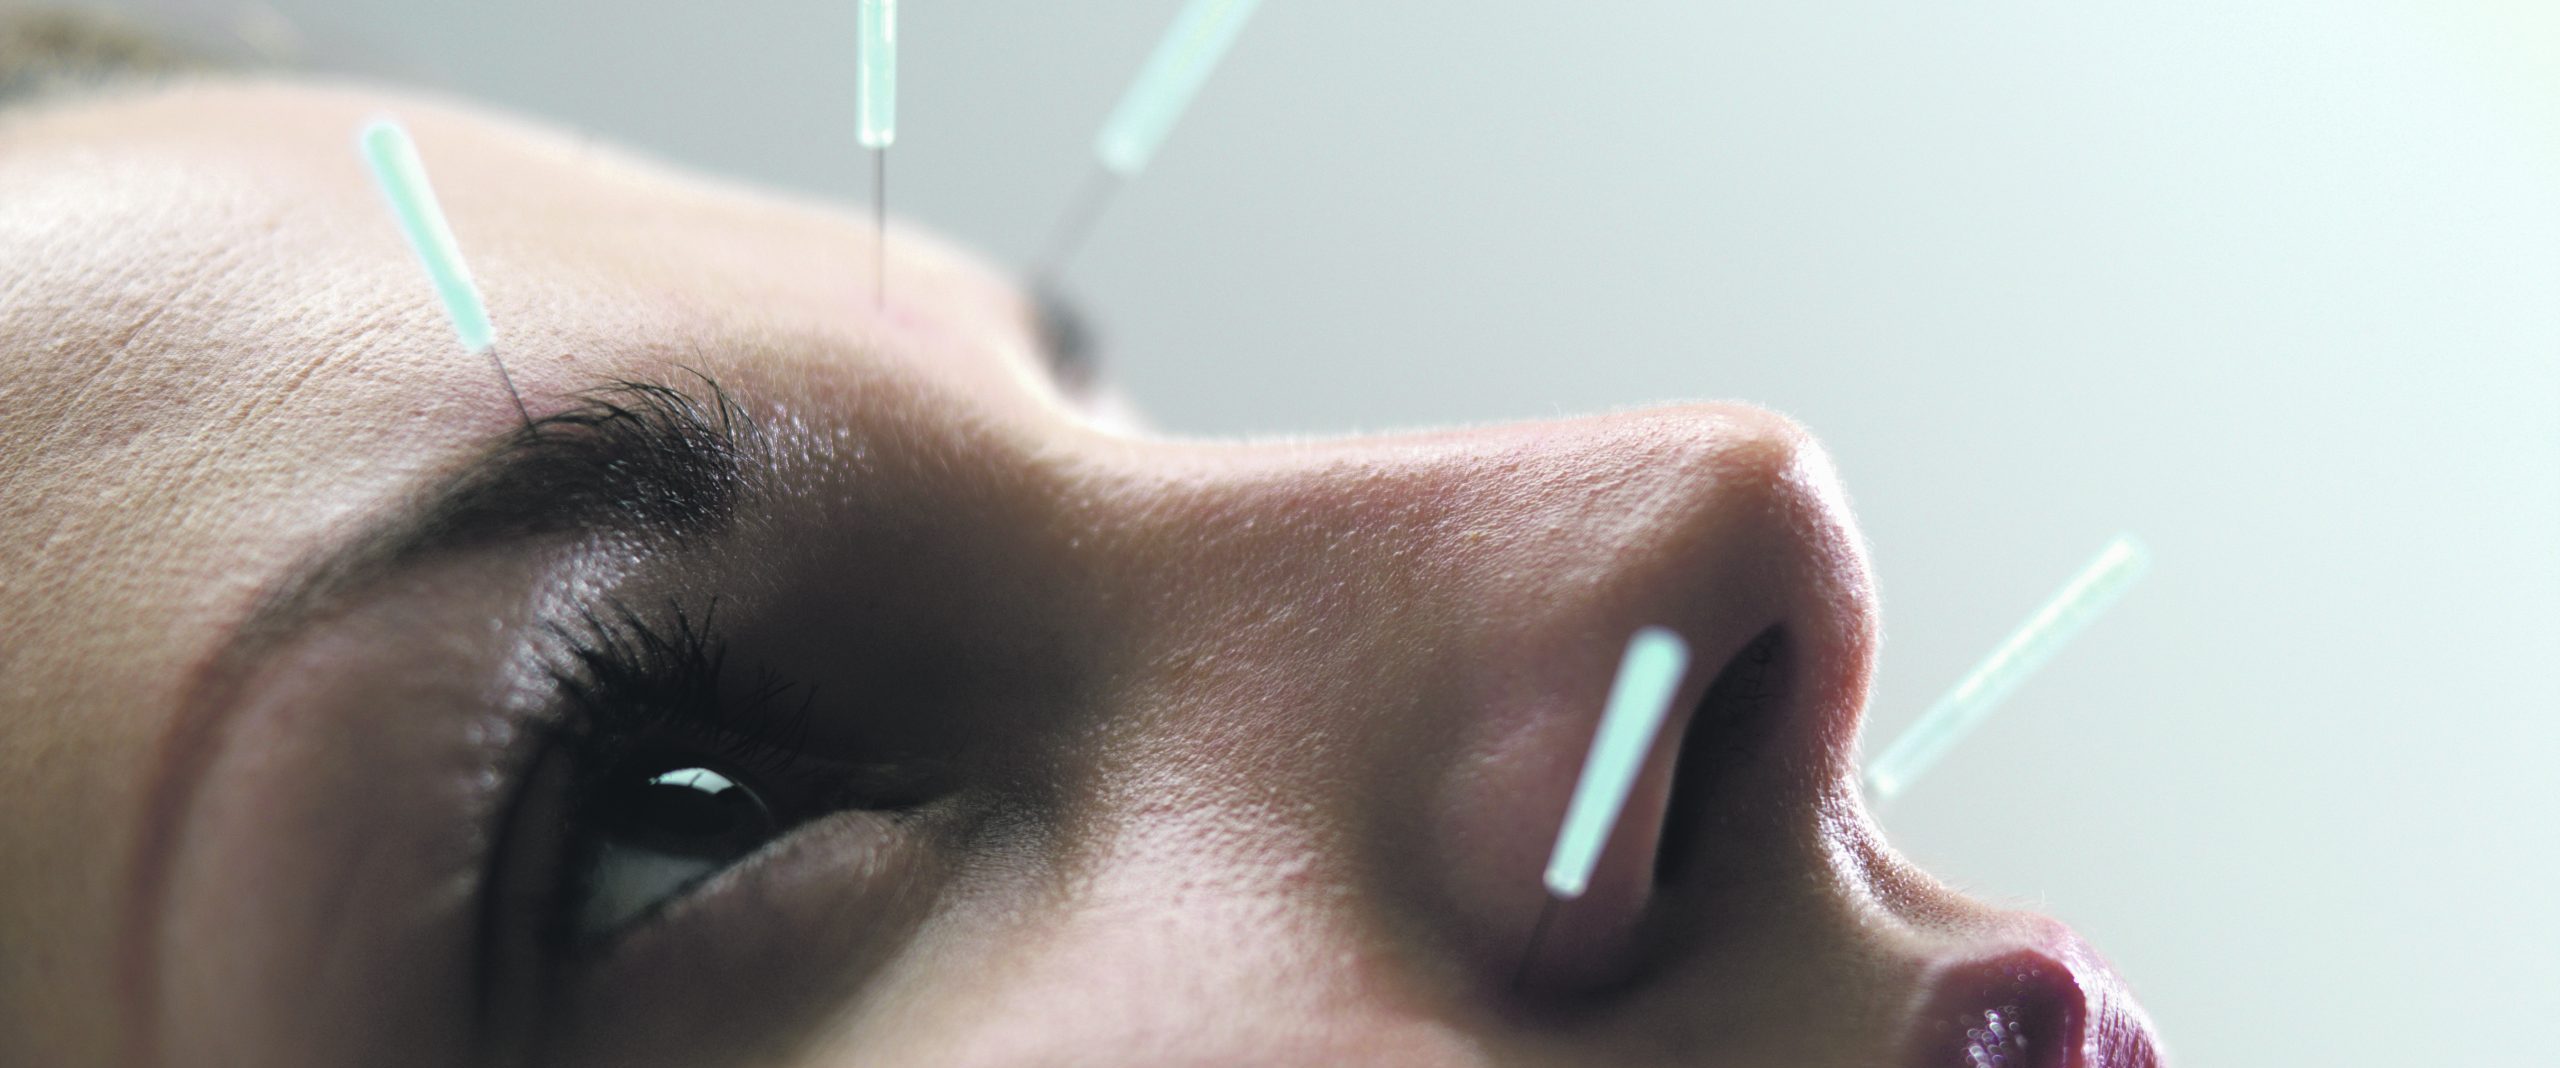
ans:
(758, 954)
(1149, 973)
(323, 909)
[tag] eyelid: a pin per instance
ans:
(634, 686)
(538, 827)
(840, 883)
(760, 956)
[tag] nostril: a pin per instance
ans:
(1731, 721)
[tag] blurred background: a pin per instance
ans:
(2275, 285)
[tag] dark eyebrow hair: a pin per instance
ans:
(631, 457)
(628, 456)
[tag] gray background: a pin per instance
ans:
(2274, 284)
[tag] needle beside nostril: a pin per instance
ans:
(1649, 676)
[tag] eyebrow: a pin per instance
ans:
(631, 457)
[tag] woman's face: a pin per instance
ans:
(823, 682)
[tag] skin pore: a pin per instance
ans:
(1081, 745)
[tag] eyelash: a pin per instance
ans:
(628, 688)
(623, 678)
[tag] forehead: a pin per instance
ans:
(212, 289)
(237, 218)
(222, 351)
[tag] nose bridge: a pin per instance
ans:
(1334, 568)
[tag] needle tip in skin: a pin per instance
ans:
(880, 226)
(1537, 934)
(877, 72)
(402, 176)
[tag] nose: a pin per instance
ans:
(1724, 525)
(1456, 609)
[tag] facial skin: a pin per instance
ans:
(1194, 753)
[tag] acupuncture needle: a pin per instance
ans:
(1964, 708)
(1192, 47)
(1649, 676)
(877, 119)
(402, 177)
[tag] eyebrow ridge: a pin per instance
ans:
(629, 453)
(627, 456)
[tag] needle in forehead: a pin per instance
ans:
(402, 178)
(877, 72)
(1963, 709)
(1648, 678)
(1199, 37)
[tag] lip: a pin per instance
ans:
(2051, 1004)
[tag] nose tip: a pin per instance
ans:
(1723, 524)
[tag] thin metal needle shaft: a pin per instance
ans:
(877, 69)
(1537, 934)
(880, 230)
(509, 381)
(1081, 215)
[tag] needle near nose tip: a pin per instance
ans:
(1963, 709)
(1649, 677)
